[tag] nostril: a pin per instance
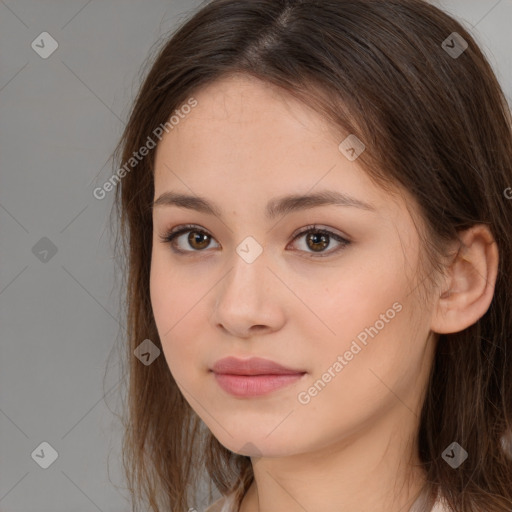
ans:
(258, 327)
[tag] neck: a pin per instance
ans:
(361, 472)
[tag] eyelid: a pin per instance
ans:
(318, 227)
(343, 240)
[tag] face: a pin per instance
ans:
(326, 290)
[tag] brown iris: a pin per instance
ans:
(201, 238)
(317, 238)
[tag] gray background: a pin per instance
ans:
(60, 119)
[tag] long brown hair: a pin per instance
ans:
(433, 121)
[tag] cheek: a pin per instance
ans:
(357, 295)
(180, 318)
(370, 317)
(378, 338)
(172, 293)
(358, 373)
(178, 304)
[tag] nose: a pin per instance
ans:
(248, 299)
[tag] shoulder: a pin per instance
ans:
(215, 506)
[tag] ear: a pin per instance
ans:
(468, 288)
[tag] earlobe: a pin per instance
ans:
(468, 288)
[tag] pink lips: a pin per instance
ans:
(254, 376)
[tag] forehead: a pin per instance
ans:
(240, 111)
(246, 141)
(246, 129)
(246, 98)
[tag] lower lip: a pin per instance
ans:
(254, 385)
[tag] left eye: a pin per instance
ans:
(196, 236)
(317, 239)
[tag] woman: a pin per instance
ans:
(320, 245)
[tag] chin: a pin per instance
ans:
(258, 444)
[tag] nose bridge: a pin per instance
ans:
(243, 298)
(247, 278)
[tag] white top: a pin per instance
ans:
(224, 504)
(227, 504)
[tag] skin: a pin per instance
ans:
(353, 446)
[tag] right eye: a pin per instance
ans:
(198, 238)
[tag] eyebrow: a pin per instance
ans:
(275, 207)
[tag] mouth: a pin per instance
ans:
(254, 385)
(253, 377)
(252, 366)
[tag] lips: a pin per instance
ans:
(252, 366)
(254, 377)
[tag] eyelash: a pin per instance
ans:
(173, 234)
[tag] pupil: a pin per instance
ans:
(315, 237)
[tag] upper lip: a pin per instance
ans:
(251, 366)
